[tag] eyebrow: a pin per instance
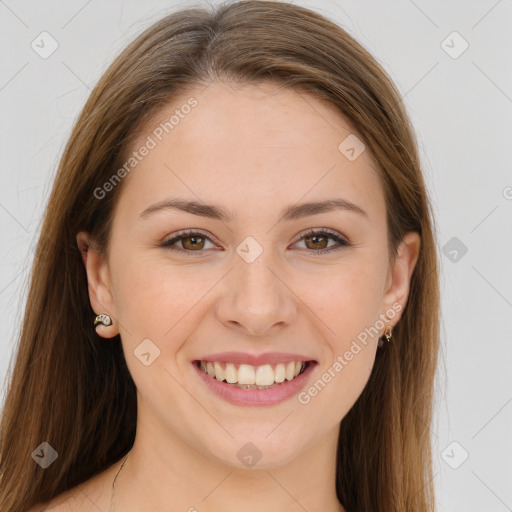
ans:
(292, 212)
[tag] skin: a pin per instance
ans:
(253, 149)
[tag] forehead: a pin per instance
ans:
(244, 145)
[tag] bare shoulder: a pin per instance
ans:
(89, 496)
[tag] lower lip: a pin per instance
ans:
(251, 397)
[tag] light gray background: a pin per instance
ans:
(462, 111)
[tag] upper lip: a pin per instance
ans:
(253, 359)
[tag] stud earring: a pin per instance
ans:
(387, 335)
(103, 320)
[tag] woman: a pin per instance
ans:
(234, 301)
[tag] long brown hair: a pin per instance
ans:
(76, 394)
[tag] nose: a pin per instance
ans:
(256, 298)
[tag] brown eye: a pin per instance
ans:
(191, 241)
(317, 241)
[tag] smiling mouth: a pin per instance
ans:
(247, 376)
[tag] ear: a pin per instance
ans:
(399, 276)
(99, 285)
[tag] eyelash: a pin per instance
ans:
(311, 232)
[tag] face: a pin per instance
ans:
(270, 283)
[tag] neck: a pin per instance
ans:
(158, 473)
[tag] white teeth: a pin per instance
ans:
(252, 376)
(231, 373)
(264, 375)
(246, 374)
(290, 371)
(210, 369)
(280, 373)
(220, 373)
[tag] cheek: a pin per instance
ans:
(153, 297)
(347, 304)
(346, 299)
(348, 309)
(339, 385)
